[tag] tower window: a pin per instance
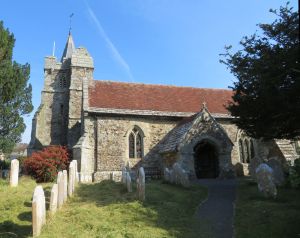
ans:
(135, 143)
(63, 81)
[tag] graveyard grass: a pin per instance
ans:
(106, 209)
(257, 216)
(15, 207)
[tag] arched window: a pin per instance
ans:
(247, 148)
(242, 157)
(135, 143)
(252, 149)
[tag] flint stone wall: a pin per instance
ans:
(112, 143)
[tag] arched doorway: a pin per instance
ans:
(206, 160)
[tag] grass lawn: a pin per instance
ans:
(257, 216)
(106, 210)
(15, 207)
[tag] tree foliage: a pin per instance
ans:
(266, 100)
(15, 93)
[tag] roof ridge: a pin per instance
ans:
(161, 85)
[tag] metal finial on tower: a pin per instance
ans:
(71, 23)
(204, 105)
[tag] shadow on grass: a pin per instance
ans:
(9, 229)
(25, 216)
(166, 206)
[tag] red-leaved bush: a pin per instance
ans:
(44, 165)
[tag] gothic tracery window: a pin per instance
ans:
(246, 149)
(135, 143)
(252, 149)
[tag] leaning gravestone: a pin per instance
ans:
(65, 174)
(38, 210)
(61, 187)
(180, 175)
(265, 181)
(53, 199)
(128, 183)
(14, 173)
(141, 184)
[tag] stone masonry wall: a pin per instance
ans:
(112, 146)
(232, 131)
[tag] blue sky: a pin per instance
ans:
(175, 42)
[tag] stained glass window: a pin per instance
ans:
(242, 157)
(138, 145)
(252, 149)
(247, 149)
(135, 144)
(131, 145)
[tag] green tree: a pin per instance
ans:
(15, 93)
(266, 100)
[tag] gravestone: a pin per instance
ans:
(38, 210)
(76, 171)
(180, 176)
(71, 179)
(61, 187)
(14, 173)
(124, 175)
(53, 199)
(65, 174)
(265, 180)
(76, 176)
(167, 175)
(128, 182)
(141, 184)
(278, 173)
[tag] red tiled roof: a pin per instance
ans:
(117, 95)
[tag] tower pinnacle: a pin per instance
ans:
(69, 48)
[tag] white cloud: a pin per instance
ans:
(113, 50)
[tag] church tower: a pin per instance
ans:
(58, 119)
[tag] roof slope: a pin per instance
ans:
(117, 95)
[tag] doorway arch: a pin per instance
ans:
(206, 160)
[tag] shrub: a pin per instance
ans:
(44, 165)
(294, 176)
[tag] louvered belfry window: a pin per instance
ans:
(135, 143)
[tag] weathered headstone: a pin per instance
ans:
(53, 199)
(167, 175)
(254, 163)
(60, 183)
(277, 167)
(71, 179)
(14, 173)
(38, 210)
(65, 174)
(141, 184)
(76, 172)
(128, 183)
(124, 175)
(265, 182)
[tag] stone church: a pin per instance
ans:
(109, 125)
